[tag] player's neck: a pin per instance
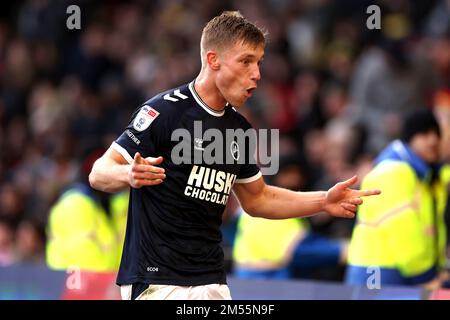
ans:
(209, 93)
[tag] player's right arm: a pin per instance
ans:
(112, 172)
(127, 162)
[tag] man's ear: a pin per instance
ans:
(213, 60)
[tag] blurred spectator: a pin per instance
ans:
(441, 104)
(437, 22)
(384, 86)
(403, 233)
(30, 242)
(11, 204)
(6, 244)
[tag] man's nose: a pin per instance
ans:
(256, 74)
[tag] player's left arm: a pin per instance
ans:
(262, 200)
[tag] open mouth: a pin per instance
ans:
(250, 91)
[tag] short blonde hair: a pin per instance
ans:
(227, 29)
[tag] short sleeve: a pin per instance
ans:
(140, 134)
(248, 173)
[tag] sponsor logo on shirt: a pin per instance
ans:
(133, 137)
(209, 184)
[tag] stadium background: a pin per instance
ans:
(335, 89)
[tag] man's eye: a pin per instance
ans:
(245, 61)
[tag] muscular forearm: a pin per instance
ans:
(279, 203)
(109, 176)
(261, 200)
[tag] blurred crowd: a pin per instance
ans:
(336, 89)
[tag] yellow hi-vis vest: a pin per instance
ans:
(397, 229)
(81, 235)
(119, 214)
(266, 244)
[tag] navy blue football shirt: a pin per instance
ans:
(173, 231)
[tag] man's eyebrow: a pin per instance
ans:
(247, 55)
(250, 55)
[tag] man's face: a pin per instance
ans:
(427, 146)
(239, 72)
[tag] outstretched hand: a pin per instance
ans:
(144, 171)
(341, 201)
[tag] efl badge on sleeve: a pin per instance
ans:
(144, 118)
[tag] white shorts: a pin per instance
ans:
(169, 292)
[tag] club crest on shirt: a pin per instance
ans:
(144, 118)
(234, 148)
(198, 144)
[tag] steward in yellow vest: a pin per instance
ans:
(86, 228)
(401, 234)
(83, 234)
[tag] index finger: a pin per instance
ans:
(364, 193)
(148, 168)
